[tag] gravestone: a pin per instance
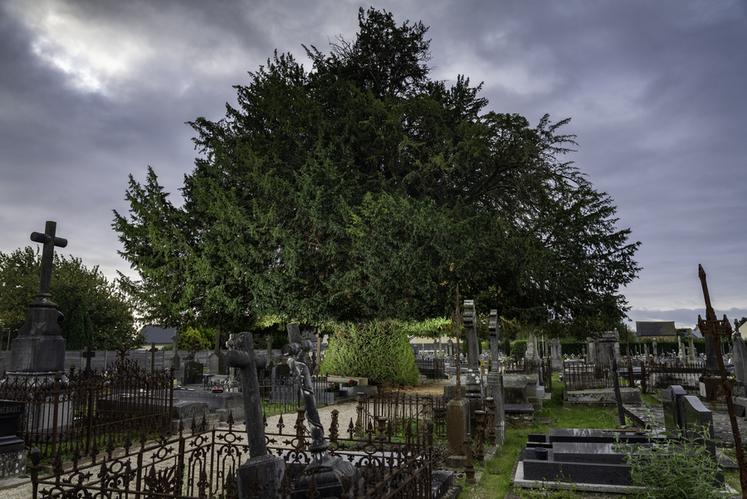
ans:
(556, 354)
(469, 319)
(607, 348)
(670, 402)
(692, 353)
(262, 474)
(193, 371)
(495, 378)
(531, 351)
(473, 386)
(591, 355)
(38, 350)
(655, 348)
(12, 447)
(680, 349)
(740, 359)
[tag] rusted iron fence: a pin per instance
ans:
(88, 410)
(284, 392)
(650, 376)
(542, 367)
(431, 368)
(401, 409)
(202, 463)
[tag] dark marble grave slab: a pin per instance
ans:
(596, 473)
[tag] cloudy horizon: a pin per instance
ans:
(92, 91)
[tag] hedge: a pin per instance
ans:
(377, 350)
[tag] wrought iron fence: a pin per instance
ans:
(90, 410)
(283, 392)
(402, 409)
(432, 368)
(202, 463)
(633, 372)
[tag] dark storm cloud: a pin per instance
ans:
(91, 91)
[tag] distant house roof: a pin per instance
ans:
(655, 328)
(158, 335)
(696, 333)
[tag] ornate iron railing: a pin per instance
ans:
(87, 410)
(202, 463)
(401, 409)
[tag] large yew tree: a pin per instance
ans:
(360, 188)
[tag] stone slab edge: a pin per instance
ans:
(519, 481)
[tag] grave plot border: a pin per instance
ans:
(199, 463)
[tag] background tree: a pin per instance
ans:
(362, 189)
(95, 311)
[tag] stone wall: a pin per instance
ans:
(104, 358)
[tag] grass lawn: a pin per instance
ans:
(497, 472)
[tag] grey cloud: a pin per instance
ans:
(655, 90)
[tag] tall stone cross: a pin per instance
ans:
(49, 240)
(469, 319)
(242, 357)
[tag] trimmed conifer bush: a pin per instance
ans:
(377, 350)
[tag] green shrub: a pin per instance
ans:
(518, 348)
(378, 350)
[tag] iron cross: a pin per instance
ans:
(49, 241)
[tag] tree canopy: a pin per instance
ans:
(361, 188)
(96, 313)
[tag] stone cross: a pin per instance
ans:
(469, 319)
(243, 358)
(49, 240)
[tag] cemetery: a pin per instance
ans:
(368, 285)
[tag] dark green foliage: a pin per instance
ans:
(96, 312)
(518, 348)
(377, 350)
(362, 189)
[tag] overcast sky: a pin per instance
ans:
(91, 91)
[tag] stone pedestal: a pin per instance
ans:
(261, 477)
(39, 346)
(457, 421)
(495, 390)
(330, 477)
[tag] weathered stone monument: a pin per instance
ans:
(473, 386)
(607, 347)
(262, 474)
(39, 349)
(495, 378)
(691, 351)
(531, 351)
(556, 355)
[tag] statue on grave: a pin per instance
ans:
(331, 475)
(262, 474)
(39, 347)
